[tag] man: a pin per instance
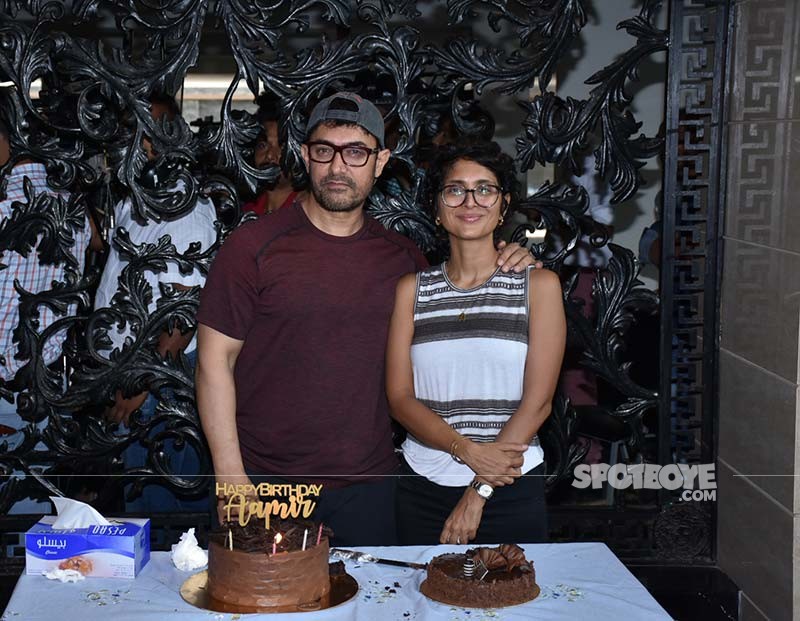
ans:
(197, 225)
(292, 331)
(35, 277)
(268, 152)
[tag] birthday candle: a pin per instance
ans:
(305, 538)
(319, 533)
(230, 539)
(275, 542)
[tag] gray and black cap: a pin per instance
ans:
(350, 108)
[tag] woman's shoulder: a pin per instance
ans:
(432, 272)
(544, 281)
(405, 292)
(407, 280)
(410, 284)
(423, 276)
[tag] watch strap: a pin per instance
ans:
(477, 485)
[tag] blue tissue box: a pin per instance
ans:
(119, 550)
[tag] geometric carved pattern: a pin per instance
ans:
(762, 57)
(762, 130)
(694, 164)
(762, 187)
(689, 275)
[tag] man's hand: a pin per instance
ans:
(222, 499)
(462, 524)
(497, 463)
(513, 257)
(122, 409)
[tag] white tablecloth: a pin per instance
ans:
(578, 581)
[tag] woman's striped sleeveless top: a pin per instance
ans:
(468, 356)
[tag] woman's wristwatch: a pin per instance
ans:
(484, 490)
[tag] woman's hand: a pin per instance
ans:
(462, 524)
(497, 463)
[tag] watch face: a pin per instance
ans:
(485, 490)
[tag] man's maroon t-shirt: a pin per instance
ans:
(313, 311)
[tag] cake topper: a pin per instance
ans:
(243, 502)
(514, 555)
(490, 558)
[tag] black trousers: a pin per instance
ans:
(515, 513)
(361, 514)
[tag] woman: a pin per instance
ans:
(460, 375)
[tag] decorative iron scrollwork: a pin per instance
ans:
(556, 129)
(99, 62)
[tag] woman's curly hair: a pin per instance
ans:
(487, 154)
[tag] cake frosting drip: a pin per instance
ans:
(250, 575)
(502, 577)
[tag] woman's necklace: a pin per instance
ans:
(470, 301)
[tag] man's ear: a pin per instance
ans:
(380, 161)
(304, 153)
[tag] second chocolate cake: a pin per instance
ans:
(482, 578)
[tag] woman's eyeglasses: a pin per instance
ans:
(485, 195)
(352, 155)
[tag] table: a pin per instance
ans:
(578, 581)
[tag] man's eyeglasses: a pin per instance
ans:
(485, 194)
(352, 155)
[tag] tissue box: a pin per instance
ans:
(116, 551)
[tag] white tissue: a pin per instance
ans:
(187, 555)
(75, 514)
(65, 575)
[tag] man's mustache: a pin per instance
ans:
(338, 179)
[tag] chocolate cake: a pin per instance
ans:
(482, 578)
(250, 575)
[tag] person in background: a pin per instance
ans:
(197, 225)
(578, 383)
(472, 362)
(267, 152)
(33, 276)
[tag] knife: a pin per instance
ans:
(363, 557)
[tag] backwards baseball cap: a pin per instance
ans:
(350, 108)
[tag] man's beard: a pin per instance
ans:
(337, 201)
